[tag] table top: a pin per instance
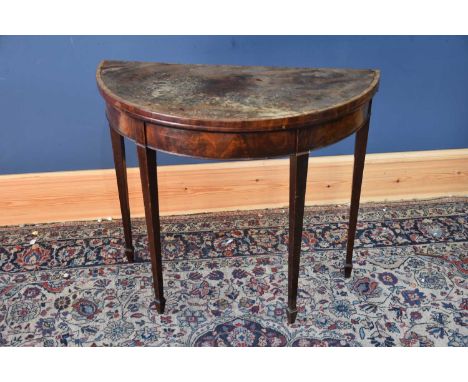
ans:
(232, 97)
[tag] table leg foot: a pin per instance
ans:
(130, 253)
(348, 268)
(292, 314)
(160, 305)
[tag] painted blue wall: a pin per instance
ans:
(51, 116)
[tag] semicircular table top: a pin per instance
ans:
(222, 96)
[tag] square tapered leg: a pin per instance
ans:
(149, 183)
(360, 147)
(118, 149)
(297, 190)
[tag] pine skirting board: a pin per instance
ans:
(183, 189)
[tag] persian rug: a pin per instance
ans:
(225, 279)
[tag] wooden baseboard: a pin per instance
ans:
(184, 189)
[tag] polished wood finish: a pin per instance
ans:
(118, 149)
(239, 145)
(230, 112)
(297, 190)
(149, 184)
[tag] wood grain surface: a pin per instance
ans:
(184, 189)
(221, 97)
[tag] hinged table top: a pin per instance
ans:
(225, 97)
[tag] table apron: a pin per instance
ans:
(236, 145)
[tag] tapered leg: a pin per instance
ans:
(118, 149)
(149, 183)
(297, 189)
(359, 158)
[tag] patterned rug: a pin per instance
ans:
(68, 284)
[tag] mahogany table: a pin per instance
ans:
(234, 112)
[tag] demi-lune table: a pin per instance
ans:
(234, 112)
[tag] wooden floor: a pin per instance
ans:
(183, 189)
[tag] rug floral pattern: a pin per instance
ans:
(226, 281)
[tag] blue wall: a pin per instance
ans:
(52, 117)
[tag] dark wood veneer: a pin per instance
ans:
(234, 112)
